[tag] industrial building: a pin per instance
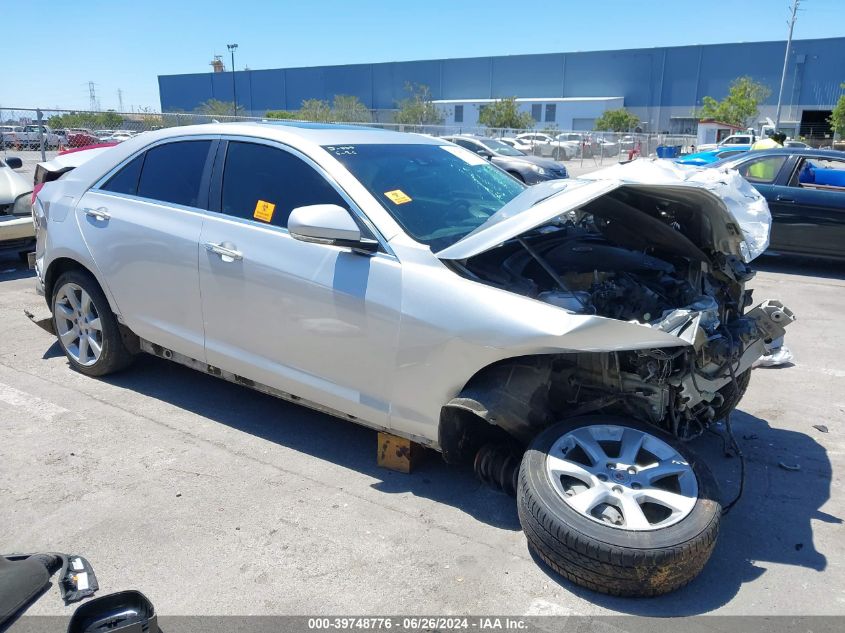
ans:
(663, 86)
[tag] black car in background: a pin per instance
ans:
(805, 189)
(528, 169)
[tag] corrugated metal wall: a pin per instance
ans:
(652, 78)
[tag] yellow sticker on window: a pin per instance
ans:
(264, 211)
(397, 196)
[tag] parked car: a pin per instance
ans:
(528, 169)
(80, 137)
(9, 135)
(713, 155)
(408, 285)
(744, 139)
(805, 189)
(792, 143)
(522, 147)
(32, 135)
(17, 234)
(117, 137)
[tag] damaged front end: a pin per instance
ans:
(654, 245)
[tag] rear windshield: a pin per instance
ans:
(437, 194)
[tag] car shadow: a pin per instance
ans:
(312, 433)
(771, 523)
(794, 265)
(12, 268)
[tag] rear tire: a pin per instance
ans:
(87, 329)
(601, 548)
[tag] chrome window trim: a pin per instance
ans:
(353, 206)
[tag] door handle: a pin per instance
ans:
(100, 213)
(226, 254)
(782, 198)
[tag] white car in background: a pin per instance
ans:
(10, 136)
(17, 233)
(406, 284)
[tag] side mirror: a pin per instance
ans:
(328, 224)
(484, 153)
(14, 162)
(126, 611)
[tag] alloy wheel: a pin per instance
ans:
(78, 324)
(622, 477)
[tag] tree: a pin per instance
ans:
(282, 114)
(315, 110)
(837, 117)
(91, 120)
(505, 113)
(740, 106)
(350, 109)
(418, 108)
(215, 107)
(619, 120)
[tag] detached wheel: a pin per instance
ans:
(87, 329)
(617, 506)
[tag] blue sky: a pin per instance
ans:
(126, 45)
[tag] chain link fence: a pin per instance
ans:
(37, 134)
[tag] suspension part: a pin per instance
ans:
(497, 465)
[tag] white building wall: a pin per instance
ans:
(565, 114)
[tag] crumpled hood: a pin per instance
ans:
(12, 185)
(737, 216)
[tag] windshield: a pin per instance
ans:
(437, 194)
(503, 149)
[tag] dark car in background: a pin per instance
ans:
(528, 169)
(805, 189)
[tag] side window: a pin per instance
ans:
(126, 180)
(172, 172)
(820, 173)
(762, 170)
(265, 184)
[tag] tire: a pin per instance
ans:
(601, 556)
(113, 355)
(732, 394)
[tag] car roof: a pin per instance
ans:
(293, 131)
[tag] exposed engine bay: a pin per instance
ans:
(640, 259)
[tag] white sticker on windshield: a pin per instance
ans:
(465, 155)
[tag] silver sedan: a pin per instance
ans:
(565, 338)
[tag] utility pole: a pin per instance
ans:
(792, 19)
(232, 48)
(120, 100)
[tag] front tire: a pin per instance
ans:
(86, 327)
(594, 513)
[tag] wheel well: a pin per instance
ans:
(507, 401)
(56, 269)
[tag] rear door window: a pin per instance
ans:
(172, 172)
(126, 180)
(264, 184)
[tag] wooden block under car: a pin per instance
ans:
(397, 453)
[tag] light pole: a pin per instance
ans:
(232, 48)
(786, 62)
